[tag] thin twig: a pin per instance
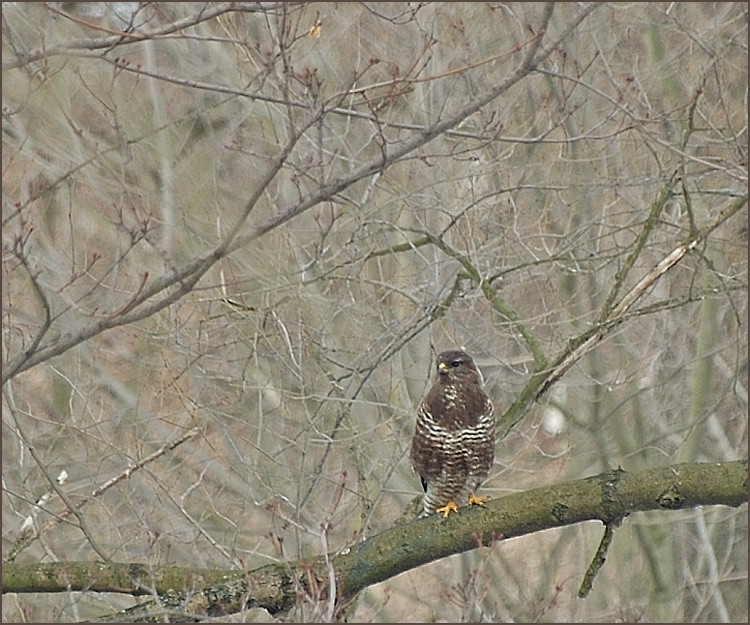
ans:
(98, 491)
(598, 561)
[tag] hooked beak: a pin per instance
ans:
(442, 368)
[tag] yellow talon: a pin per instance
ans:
(476, 501)
(447, 509)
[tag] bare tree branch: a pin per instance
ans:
(123, 38)
(186, 277)
(261, 221)
(609, 497)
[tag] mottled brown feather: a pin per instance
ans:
(454, 439)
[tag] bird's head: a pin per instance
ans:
(456, 365)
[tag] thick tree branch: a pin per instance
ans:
(609, 497)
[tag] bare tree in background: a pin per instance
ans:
(235, 235)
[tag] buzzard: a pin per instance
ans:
(454, 440)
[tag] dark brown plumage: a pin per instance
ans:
(454, 439)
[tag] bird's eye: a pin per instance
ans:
(455, 363)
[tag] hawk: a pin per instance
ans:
(454, 440)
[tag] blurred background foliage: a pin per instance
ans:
(134, 135)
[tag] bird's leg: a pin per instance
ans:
(451, 506)
(476, 501)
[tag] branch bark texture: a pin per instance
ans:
(190, 594)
